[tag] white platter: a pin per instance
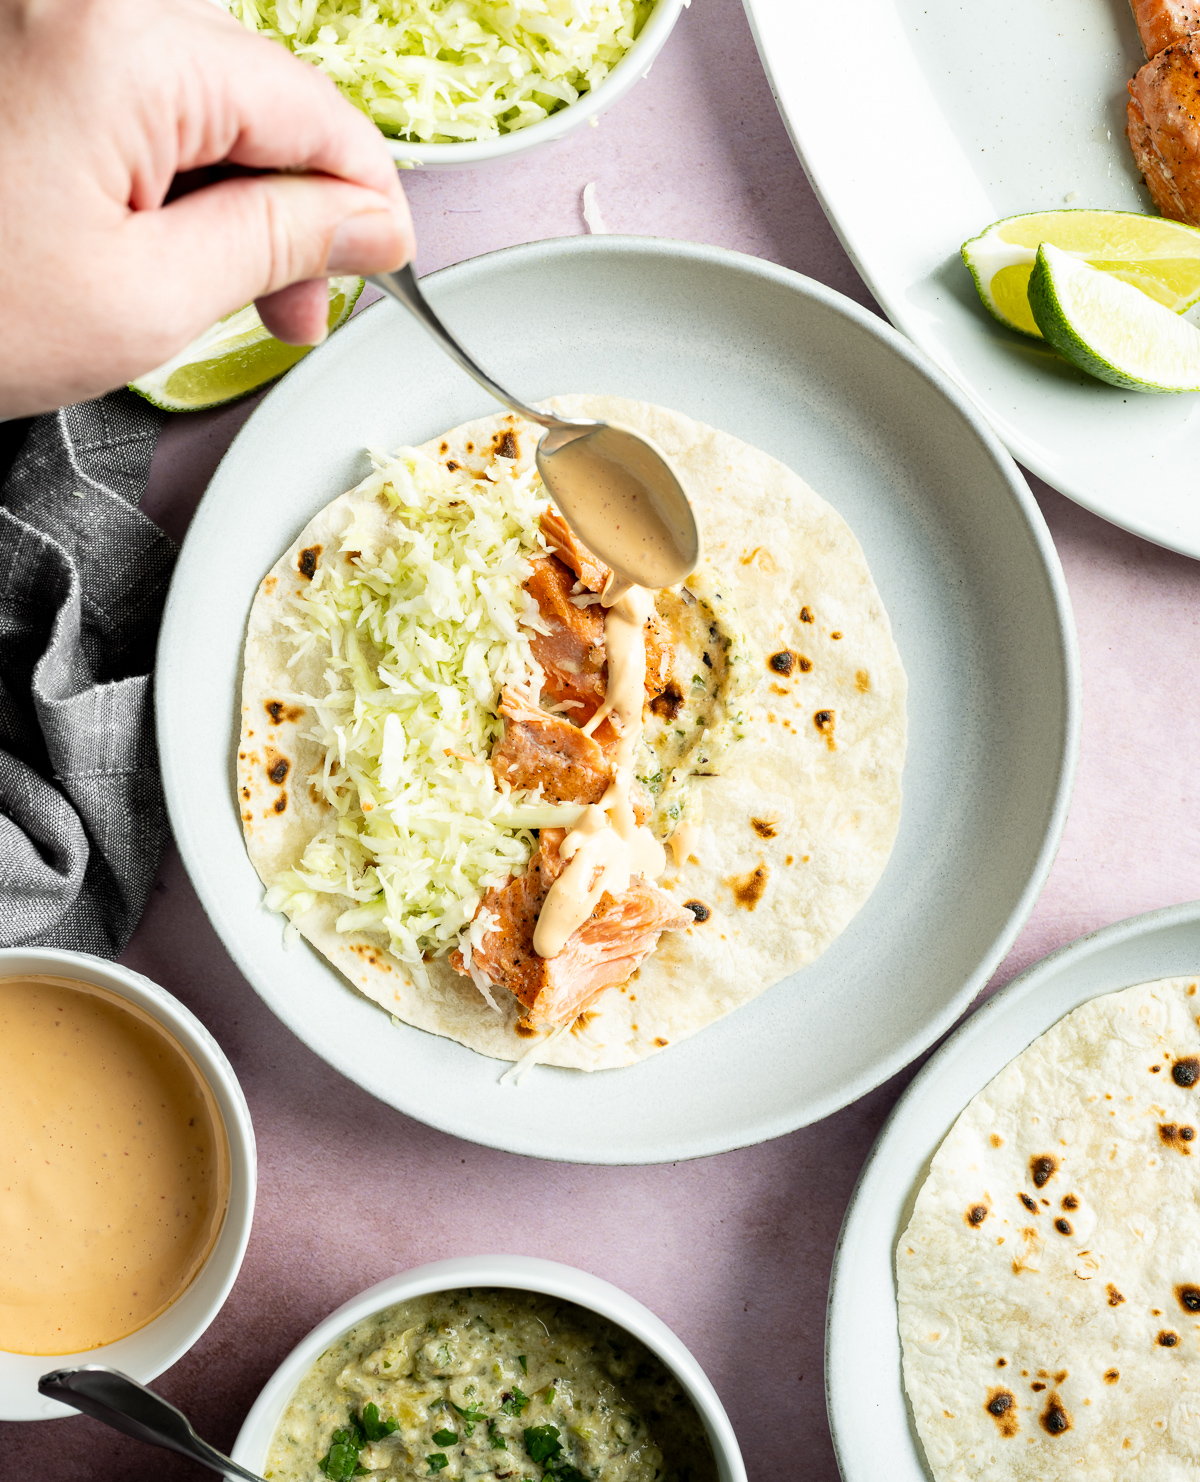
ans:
(960, 553)
(868, 1412)
(975, 111)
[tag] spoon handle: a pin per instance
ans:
(117, 1400)
(402, 286)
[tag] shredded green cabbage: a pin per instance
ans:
(416, 636)
(448, 70)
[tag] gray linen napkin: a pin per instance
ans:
(83, 576)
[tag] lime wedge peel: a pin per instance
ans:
(1110, 329)
(235, 357)
(1159, 257)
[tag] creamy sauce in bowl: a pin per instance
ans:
(490, 1385)
(114, 1167)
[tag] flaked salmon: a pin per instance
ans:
(546, 751)
(590, 570)
(1163, 129)
(601, 954)
(1161, 23)
(572, 654)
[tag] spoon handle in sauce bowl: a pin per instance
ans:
(126, 1405)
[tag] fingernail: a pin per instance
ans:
(368, 243)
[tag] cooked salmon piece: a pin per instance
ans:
(572, 654)
(1161, 23)
(602, 953)
(562, 540)
(542, 750)
(1164, 106)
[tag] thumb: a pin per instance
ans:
(247, 238)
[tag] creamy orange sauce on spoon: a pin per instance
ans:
(114, 1167)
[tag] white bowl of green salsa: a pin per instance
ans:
(491, 1367)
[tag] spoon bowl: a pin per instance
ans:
(616, 489)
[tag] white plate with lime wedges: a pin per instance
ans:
(959, 552)
(992, 111)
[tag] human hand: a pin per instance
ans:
(102, 104)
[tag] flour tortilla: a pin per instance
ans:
(831, 810)
(1048, 1303)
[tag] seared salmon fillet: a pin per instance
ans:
(1164, 106)
(604, 951)
(1162, 23)
(562, 540)
(545, 750)
(572, 654)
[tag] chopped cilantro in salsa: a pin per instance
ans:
(446, 1438)
(515, 1403)
(437, 1461)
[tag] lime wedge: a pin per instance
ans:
(1109, 329)
(234, 357)
(1162, 258)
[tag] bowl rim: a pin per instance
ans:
(636, 63)
(19, 1398)
(523, 1273)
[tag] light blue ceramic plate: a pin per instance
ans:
(960, 553)
(868, 1412)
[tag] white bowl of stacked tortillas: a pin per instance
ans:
(1032, 1274)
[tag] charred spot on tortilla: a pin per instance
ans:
(451, 466)
(835, 635)
(1054, 1418)
(669, 702)
(278, 711)
(1002, 1363)
(1042, 1168)
(306, 561)
(824, 721)
(862, 681)
(764, 828)
(1114, 1297)
(698, 909)
(660, 1042)
(505, 445)
(1177, 1137)
(1063, 1226)
(278, 766)
(1186, 1072)
(269, 584)
(1188, 1298)
(1029, 1203)
(976, 1215)
(1167, 1338)
(1111, 1376)
(806, 615)
(783, 662)
(443, 447)
(1001, 1405)
(280, 803)
(748, 889)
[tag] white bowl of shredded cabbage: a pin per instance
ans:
(459, 82)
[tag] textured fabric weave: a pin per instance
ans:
(83, 577)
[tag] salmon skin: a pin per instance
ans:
(602, 953)
(1164, 105)
(1162, 23)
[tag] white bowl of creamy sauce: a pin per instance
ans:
(497, 1369)
(128, 1168)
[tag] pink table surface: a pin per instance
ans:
(734, 1252)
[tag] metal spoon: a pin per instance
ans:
(117, 1400)
(617, 490)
